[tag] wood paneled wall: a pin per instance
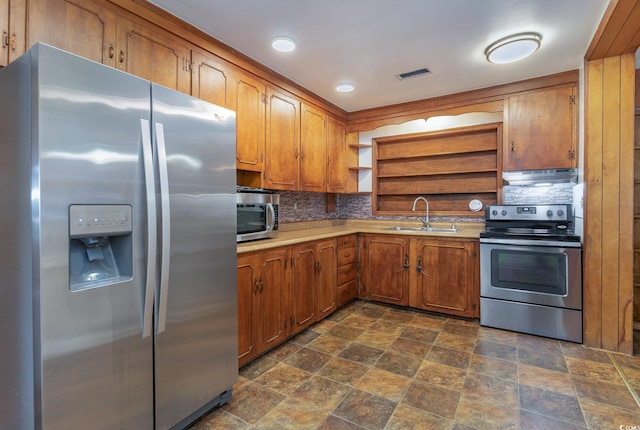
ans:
(609, 128)
(608, 251)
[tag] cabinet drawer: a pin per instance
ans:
(346, 293)
(346, 273)
(346, 255)
(347, 241)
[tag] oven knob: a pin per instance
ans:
(560, 213)
(494, 212)
(504, 212)
(549, 213)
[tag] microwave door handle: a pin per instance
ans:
(166, 227)
(271, 217)
(150, 280)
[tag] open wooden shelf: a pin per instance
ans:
(448, 167)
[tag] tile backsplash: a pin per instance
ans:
(305, 206)
(555, 194)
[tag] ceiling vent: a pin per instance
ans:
(414, 74)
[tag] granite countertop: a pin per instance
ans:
(300, 232)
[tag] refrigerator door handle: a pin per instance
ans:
(166, 227)
(150, 280)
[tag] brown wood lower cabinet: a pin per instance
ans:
(314, 282)
(447, 276)
(384, 266)
(436, 274)
(347, 269)
(281, 291)
(264, 301)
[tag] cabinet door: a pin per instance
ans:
(210, 78)
(5, 32)
(385, 265)
(153, 54)
(336, 156)
(327, 275)
(541, 130)
(82, 27)
(275, 306)
(304, 286)
(447, 281)
(247, 99)
(283, 142)
(248, 290)
(13, 17)
(313, 149)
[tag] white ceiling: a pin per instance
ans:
(368, 42)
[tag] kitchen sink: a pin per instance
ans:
(424, 229)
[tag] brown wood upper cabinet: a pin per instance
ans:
(313, 149)
(219, 82)
(153, 54)
(12, 30)
(541, 129)
(337, 163)
(82, 27)
(95, 31)
(282, 146)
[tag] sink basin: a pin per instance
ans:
(425, 229)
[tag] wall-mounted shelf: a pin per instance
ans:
(447, 167)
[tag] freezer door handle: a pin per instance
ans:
(150, 280)
(166, 227)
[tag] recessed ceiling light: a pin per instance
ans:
(344, 88)
(283, 44)
(513, 48)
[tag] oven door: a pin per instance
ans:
(536, 274)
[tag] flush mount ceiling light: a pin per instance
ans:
(283, 44)
(513, 48)
(344, 88)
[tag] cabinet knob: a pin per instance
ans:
(112, 51)
(121, 57)
(5, 39)
(512, 143)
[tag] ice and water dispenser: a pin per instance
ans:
(100, 245)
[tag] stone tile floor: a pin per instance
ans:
(371, 366)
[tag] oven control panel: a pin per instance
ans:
(529, 212)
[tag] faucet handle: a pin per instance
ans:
(453, 223)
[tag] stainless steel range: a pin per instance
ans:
(531, 271)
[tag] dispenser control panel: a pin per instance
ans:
(99, 220)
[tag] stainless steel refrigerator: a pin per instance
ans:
(118, 304)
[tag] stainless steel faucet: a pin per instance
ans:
(425, 221)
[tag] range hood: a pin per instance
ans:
(541, 177)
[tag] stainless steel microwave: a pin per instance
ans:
(257, 213)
